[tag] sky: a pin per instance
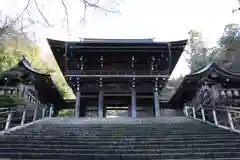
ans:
(164, 20)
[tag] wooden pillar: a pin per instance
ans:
(66, 57)
(134, 103)
(78, 101)
(156, 102)
(100, 104)
(133, 100)
(100, 99)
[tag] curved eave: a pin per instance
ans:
(214, 67)
(127, 41)
(179, 91)
(48, 92)
(194, 78)
(45, 85)
(98, 40)
(201, 71)
(174, 48)
(227, 74)
(27, 65)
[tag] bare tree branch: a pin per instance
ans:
(66, 14)
(18, 16)
(39, 10)
(97, 6)
(84, 13)
(1, 16)
(20, 19)
(26, 7)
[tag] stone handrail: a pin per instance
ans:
(228, 111)
(22, 114)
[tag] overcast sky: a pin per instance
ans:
(164, 20)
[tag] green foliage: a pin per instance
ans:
(65, 90)
(66, 113)
(11, 51)
(197, 52)
(226, 54)
(59, 79)
(229, 47)
(175, 82)
(6, 101)
(171, 87)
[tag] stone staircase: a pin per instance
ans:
(120, 139)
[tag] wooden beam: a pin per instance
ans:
(119, 76)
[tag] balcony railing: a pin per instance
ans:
(117, 73)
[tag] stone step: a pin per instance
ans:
(153, 125)
(69, 156)
(133, 128)
(174, 138)
(157, 134)
(123, 137)
(118, 150)
(124, 157)
(120, 125)
(119, 142)
(140, 156)
(157, 127)
(109, 146)
(87, 135)
(124, 132)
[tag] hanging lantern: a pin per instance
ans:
(229, 93)
(222, 93)
(235, 93)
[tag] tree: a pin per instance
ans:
(12, 50)
(175, 82)
(229, 46)
(14, 41)
(171, 86)
(197, 52)
(37, 12)
(225, 54)
(14, 46)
